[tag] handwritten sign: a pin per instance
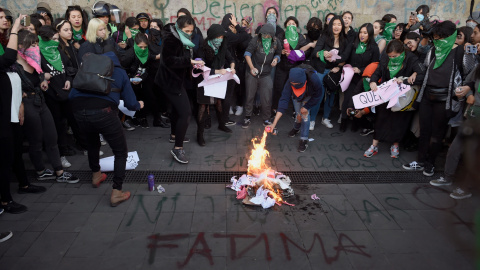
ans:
(386, 92)
(367, 99)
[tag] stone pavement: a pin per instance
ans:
(203, 226)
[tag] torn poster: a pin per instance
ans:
(107, 163)
(215, 85)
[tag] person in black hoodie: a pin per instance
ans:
(366, 52)
(347, 18)
(314, 31)
(271, 17)
(175, 69)
(217, 57)
(96, 39)
(139, 63)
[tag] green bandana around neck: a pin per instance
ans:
(215, 44)
(49, 50)
(443, 48)
(185, 38)
(388, 32)
(366, 85)
(361, 48)
(77, 35)
(134, 32)
(1, 50)
(142, 54)
(267, 43)
(292, 36)
(395, 64)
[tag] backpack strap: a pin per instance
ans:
(116, 90)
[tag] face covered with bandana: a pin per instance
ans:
(298, 82)
(272, 17)
(216, 43)
(313, 32)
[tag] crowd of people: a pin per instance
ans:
(152, 66)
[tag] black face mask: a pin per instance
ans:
(313, 34)
(154, 32)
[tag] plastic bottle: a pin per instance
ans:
(286, 45)
(151, 182)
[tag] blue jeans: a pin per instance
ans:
(302, 124)
(314, 110)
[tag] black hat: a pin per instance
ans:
(143, 15)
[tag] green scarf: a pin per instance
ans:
(378, 38)
(443, 48)
(1, 50)
(142, 54)
(292, 36)
(267, 43)
(366, 85)
(124, 38)
(134, 32)
(215, 44)
(113, 28)
(361, 48)
(395, 64)
(49, 50)
(185, 38)
(77, 35)
(388, 32)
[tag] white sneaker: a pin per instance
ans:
(327, 123)
(102, 141)
(85, 152)
(230, 111)
(339, 119)
(312, 125)
(65, 162)
(239, 111)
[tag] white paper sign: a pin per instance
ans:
(124, 110)
(217, 90)
(367, 99)
(386, 92)
(106, 164)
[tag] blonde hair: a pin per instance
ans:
(93, 26)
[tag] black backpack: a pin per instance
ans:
(95, 75)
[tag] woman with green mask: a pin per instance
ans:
(175, 69)
(448, 64)
(402, 65)
(216, 55)
(296, 41)
(139, 63)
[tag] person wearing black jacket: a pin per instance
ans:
(175, 69)
(322, 61)
(347, 18)
(217, 57)
(314, 31)
(366, 52)
(271, 17)
(79, 20)
(139, 63)
(96, 39)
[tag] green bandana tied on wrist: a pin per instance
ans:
(185, 38)
(49, 50)
(388, 32)
(142, 54)
(361, 48)
(77, 35)
(395, 64)
(443, 48)
(267, 43)
(215, 44)
(292, 36)
(1, 50)
(134, 32)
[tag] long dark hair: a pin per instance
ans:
(342, 39)
(467, 33)
(141, 37)
(371, 38)
(26, 38)
(325, 26)
(59, 23)
(276, 12)
(3, 36)
(84, 17)
(46, 32)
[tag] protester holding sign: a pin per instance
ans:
(391, 126)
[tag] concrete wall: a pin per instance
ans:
(207, 12)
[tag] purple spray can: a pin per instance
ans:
(151, 182)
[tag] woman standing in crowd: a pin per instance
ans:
(39, 125)
(314, 30)
(334, 38)
(96, 39)
(464, 35)
(391, 126)
(347, 18)
(399, 31)
(271, 17)
(262, 54)
(78, 21)
(197, 36)
(412, 42)
(35, 24)
(365, 53)
(217, 57)
(295, 41)
(378, 30)
(175, 68)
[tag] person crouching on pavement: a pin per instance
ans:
(304, 88)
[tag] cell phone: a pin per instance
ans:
(135, 79)
(413, 14)
(26, 21)
(471, 49)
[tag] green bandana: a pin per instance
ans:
(142, 54)
(292, 36)
(388, 32)
(49, 50)
(361, 48)
(113, 28)
(267, 43)
(366, 85)
(124, 38)
(378, 38)
(443, 48)
(395, 64)
(215, 44)
(185, 38)
(134, 32)
(77, 35)
(1, 50)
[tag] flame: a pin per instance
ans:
(256, 163)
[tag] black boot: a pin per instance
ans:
(221, 124)
(355, 125)
(200, 131)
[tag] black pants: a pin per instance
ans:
(145, 92)
(281, 77)
(106, 122)
(433, 127)
(240, 93)
(181, 114)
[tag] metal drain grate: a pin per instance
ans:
(303, 177)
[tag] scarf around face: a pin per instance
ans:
(49, 50)
(361, 48)
(267, 43)
(292, 36)
(395, 64)
(388, 32)
(443, 48)
(142, 54)
(272, 19)
(77, 35)
(185, 38)
(32, 56)
(215, 44)
(134, 32)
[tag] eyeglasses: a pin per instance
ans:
(398, 30)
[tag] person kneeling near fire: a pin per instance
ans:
(305, 89)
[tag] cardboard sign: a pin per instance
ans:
(386, 92)
(367, 99)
